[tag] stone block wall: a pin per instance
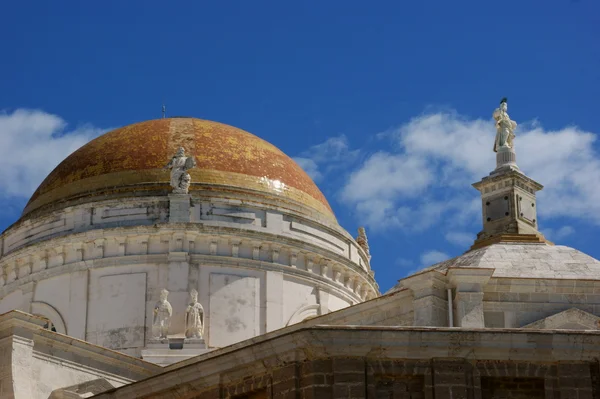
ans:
(512, 388)
(446, 378)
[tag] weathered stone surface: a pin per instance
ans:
(36, 363)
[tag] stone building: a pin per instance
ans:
(234, 280)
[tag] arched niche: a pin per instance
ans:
(47, 311)
(304, 313)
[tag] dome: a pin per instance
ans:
(520, 260)
(128, 162)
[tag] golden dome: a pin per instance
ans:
(129, 160)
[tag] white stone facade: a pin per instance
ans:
(96, 270)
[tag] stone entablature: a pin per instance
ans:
(149, 243)
(216, 213)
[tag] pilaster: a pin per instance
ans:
(468, 300)
(274, 302)
(178, 289)
(429, 298)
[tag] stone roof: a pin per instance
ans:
(519, 260)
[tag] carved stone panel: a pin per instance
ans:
(527, 209)
(497, 208)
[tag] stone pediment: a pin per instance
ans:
(570, 319)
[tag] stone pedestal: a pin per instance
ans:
(179, 208)
(173, 350)
(506, 159)
(508, 203)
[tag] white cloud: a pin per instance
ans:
(459, 238)
(322, 159)
(558, 234)
(428, 179)
(386, 175)
(432, 257)
(32, 143)
(310, 167)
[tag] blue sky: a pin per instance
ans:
(388, 104)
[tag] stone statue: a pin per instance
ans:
(194, 317)
(505, 128)
(179, 165)
(362, 241)
(162, 316)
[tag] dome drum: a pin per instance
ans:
(104, 241)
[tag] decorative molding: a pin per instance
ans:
(49, 312)
(303, 313)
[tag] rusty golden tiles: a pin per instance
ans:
(132, 156)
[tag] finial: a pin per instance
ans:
(164, 110)
(362, 241)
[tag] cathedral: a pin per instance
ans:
(184, 258)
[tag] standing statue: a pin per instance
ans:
(194, 317)
(179, 165)
(505, 127)
(162, 316)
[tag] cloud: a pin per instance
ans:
(427, 179)
(322, 159)
(459, 238)
(32, 143)
(432, 257)
(558, 234)
(403, 262)
(310, 167)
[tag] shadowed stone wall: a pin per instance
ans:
(413, 379)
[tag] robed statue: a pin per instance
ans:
(194, 317)
(162, 316)
(179, 165)
(505, 127)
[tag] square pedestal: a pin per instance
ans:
(173, 350)
(179, 208)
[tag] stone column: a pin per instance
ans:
(468, 300)
(429, 298)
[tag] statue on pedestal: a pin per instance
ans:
(505, 127)
(162, 316)
(194, 317)
(179, 165)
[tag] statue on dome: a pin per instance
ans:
(162, 316)
(194, 317)
(179, 165)
(505, 127)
